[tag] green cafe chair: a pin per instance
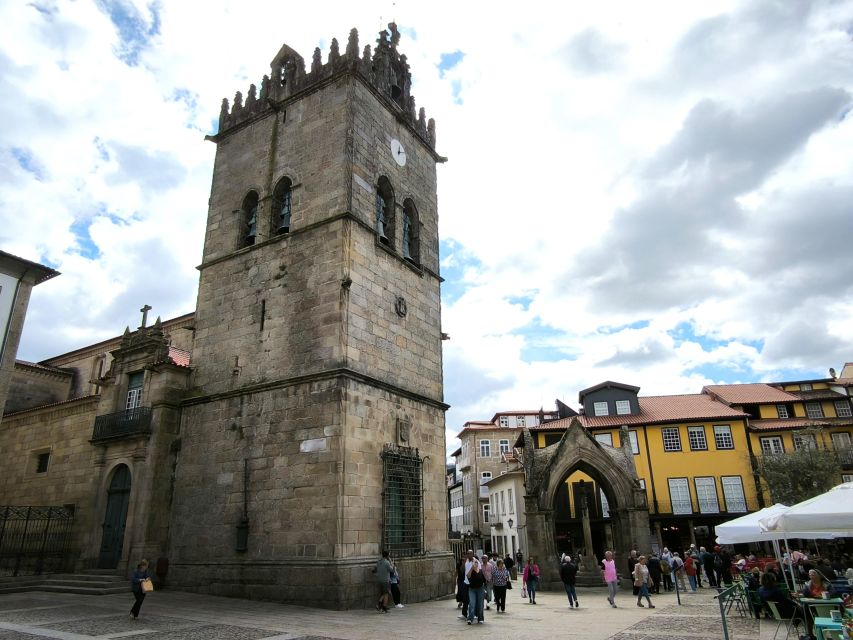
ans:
(788, 623)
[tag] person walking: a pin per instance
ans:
(632, 562)
(140, 574)
(461, 587)
(690, 570)
(568, 571)
(509, 563)
(476, 592)
(466, 564)
(487, 568)
(678, 572)
(383, 579)
(608, 572)
(653, 563)
(394, 583)
(666, 569)
(707, 560)
(500, 583)
(531, 578)
(641, 581)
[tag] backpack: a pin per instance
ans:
(664, 566)
(718, 561)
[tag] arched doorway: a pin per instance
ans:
(115, 518)
(584, 496)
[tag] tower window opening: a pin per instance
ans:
(411, 227)
(283, 206)
(385, 212)
(250, 218)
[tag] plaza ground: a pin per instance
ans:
(175, 615)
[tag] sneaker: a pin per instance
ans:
(461, 617)
(640, 604)
(469, 622)
(398, 606)
(577, 604)
(651, 606)
(613, 604)
(488, 608)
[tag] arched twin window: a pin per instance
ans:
(250, 219)
(385, 212)
(282, 206)
(411, 229)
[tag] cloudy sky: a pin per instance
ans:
(659, 193)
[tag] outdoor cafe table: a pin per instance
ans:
(825, 623)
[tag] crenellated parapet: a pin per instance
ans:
(383, 67)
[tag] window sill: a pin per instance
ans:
(391, 252)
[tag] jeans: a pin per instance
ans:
(644, 593)
(611, 591)
(531, 589)
(463, 598)
(692, 581)
(475, 603)
(570, 592)
(500, 597)
(138, 604)
(488, 592)
(395, 592)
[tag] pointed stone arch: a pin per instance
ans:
(548, 468)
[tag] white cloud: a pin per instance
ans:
(659, 197)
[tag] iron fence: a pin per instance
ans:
(34, 540)
(122, 423)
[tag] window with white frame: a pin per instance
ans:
(806, 386)
(696, 438)
(782, 411)
(600, 408)
(605, 438)
(679, 496)
(814, 410)
(771, 445)
(635, 444)
(520, 421)
(485, 448)
(804, 441)
(503, 445)
(466, 515)
(671, 439)
(504, 421)
(643, 484)
(733, 494)
(510, 500)
(134, 390)
(842, 409)
(503, 504)
(841, 440)
(485, 476)
(623, 407)
(723, 436)
(706, 493)
(485, 513)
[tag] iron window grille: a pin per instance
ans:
(671, 439)
(402, 501)
(723, 437)
(696, 437)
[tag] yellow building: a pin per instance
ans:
(695, 454)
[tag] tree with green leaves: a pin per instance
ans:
(801, 474)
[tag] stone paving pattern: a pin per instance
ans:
(169, 615)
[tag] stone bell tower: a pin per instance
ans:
(313, 437)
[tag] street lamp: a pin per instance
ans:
(510, 523)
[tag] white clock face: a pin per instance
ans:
(398, 152)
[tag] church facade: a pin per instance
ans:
(272, 443)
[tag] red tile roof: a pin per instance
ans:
(179, 356)
(748, 393)
(657, 409)
(785, 424)
(485, 426)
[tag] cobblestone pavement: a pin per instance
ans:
(174, 615)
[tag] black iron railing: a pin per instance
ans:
(34, 540)
(130, 422)
(845, 456)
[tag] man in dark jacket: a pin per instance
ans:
(509, 563)
(653, 564)
(568, 571)
(707, 561)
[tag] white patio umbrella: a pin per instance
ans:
(748, 528)
(830, 512)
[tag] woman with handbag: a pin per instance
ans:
(531, 578)
(500, 583)
(641, 581)
(140, 584)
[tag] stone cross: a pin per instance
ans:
(145, 311)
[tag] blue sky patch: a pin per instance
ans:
(449, 60)
(637, 324)
(542, 343)
(456, 260)
(28, 162)
(133, 29)
(87, 248)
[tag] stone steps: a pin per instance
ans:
(97, 582)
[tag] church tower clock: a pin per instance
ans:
(314, 435)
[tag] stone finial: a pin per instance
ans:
(352, 44)
(223, 110)
(265, 87)
(422, 119)
(334, 53)
(238, 103)
(431, 131)
(410, 108)
(252, 97)
(395, 35)
(317, 61)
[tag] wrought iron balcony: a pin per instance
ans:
(122, 424)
